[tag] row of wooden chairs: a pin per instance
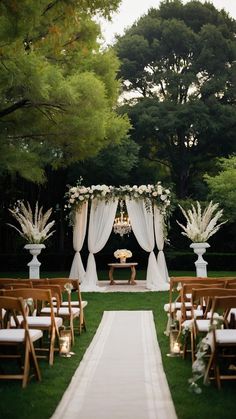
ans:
(51, 311)
(196, 310)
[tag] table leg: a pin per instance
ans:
(112, 282)
(133, 276)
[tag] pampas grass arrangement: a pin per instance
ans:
(201, 224)
(34, 227)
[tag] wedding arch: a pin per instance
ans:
(147, 207)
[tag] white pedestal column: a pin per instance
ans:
(201, 264)
(34, 264)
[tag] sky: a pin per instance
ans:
(131, 10)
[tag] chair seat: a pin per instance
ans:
(18, 335)
(63, 311)
(203, 325)
(188, 314)
(197, 313)
(176, 305)
(74, 304)
(38, 321)
(226, 336)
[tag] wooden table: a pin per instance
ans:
(130, 265)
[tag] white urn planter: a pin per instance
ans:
(201, 264)
(34, 264)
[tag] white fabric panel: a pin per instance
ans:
(77, 269)
(159, 234)
(142, 226)
(142, 223)
(101, 221)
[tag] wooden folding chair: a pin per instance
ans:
(49, 324)
(19, 338)
(205, 297)
(223, 344)
(177, 283)
(67, 313)
(77, 302)
(188, 313)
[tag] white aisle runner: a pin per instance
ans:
(121, 375)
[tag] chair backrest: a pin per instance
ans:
(5, 281)
(224, 304)
(39, 296)
(231, 285)
(18, 284)
(41, 281)
(208, 294)
(54, 289)
(63, 281)
(10, 306)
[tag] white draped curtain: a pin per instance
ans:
(161, 262)
(142, 225)
(146, 225)
(101, 221)
(77, 269)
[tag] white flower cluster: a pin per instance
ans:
(122, 253)
(68, 287)
(151, 193)
(79, 194)
(34, 227)
(201, 225)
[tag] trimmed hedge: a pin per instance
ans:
(183, 261)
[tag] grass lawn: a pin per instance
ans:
(39, 400)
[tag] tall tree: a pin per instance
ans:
(58, 90)
(179, 72)
(222, 186)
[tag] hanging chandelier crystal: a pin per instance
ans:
(122, 224)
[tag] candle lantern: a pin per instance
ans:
(65, 342)
(175, 347)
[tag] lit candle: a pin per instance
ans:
(176, 348)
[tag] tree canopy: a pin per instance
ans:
(222, 186)
(58, 89)
(179, 72)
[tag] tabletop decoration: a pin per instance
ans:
(122, 254)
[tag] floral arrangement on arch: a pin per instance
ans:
(157, 194)
(122, 253)
(201, 224)
(34, 227)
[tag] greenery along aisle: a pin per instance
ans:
(39, 400)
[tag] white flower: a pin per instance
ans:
(159, 189)
(73, 189)
(68, 287)
(163, 197)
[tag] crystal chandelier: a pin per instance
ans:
(122, 224)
